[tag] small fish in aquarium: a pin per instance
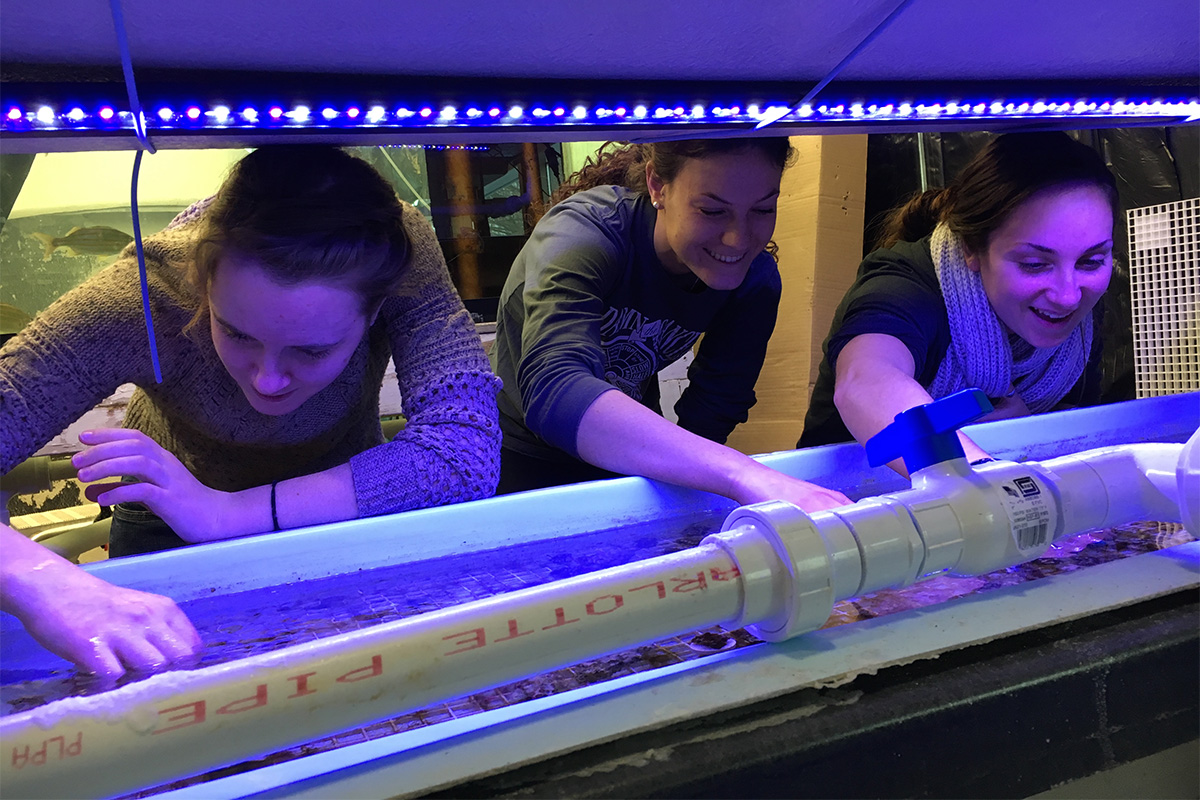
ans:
(97, 240)
(12, 319)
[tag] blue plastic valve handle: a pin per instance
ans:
(927, 434)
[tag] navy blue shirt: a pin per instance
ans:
(588, 307)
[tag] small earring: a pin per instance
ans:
(656, 204)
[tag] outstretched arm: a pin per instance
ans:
(102, 628)
(621, 435)
(874, 383)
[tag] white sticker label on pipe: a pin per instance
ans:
(1027, 503)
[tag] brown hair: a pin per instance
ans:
(1004, 174)
(624, 163)
(307, 213)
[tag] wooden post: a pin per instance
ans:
(819, 232)
(532, 184)
(460, 191)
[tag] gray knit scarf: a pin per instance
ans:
(983, 355)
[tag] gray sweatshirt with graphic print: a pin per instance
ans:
(589, 307)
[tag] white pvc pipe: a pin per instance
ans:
(1112, 486)
(186, 722)
(956, 520)
(775, 569)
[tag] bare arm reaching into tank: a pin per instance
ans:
(620, 434)
(100, 627)
(992, 283)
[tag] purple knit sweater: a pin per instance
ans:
(93, 339)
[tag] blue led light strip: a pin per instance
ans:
(18, 119)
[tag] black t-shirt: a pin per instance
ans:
(897, 293)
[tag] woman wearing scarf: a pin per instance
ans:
(989, 283)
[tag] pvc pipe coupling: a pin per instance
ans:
(791, 573)
(954, 519)
(795, 566)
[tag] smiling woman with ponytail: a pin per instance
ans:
(989, 283)
(647, 248)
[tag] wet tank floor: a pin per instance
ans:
(237, 625)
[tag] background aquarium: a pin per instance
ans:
(64, 216)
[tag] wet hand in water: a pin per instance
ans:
(102, 628)
(164, 485)
(108, 629)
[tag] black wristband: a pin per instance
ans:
(274, 514)
(974, 463)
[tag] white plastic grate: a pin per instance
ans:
(1164, 274)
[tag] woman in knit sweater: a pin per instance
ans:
(278, 304)
(646, 248)
(989, 283)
